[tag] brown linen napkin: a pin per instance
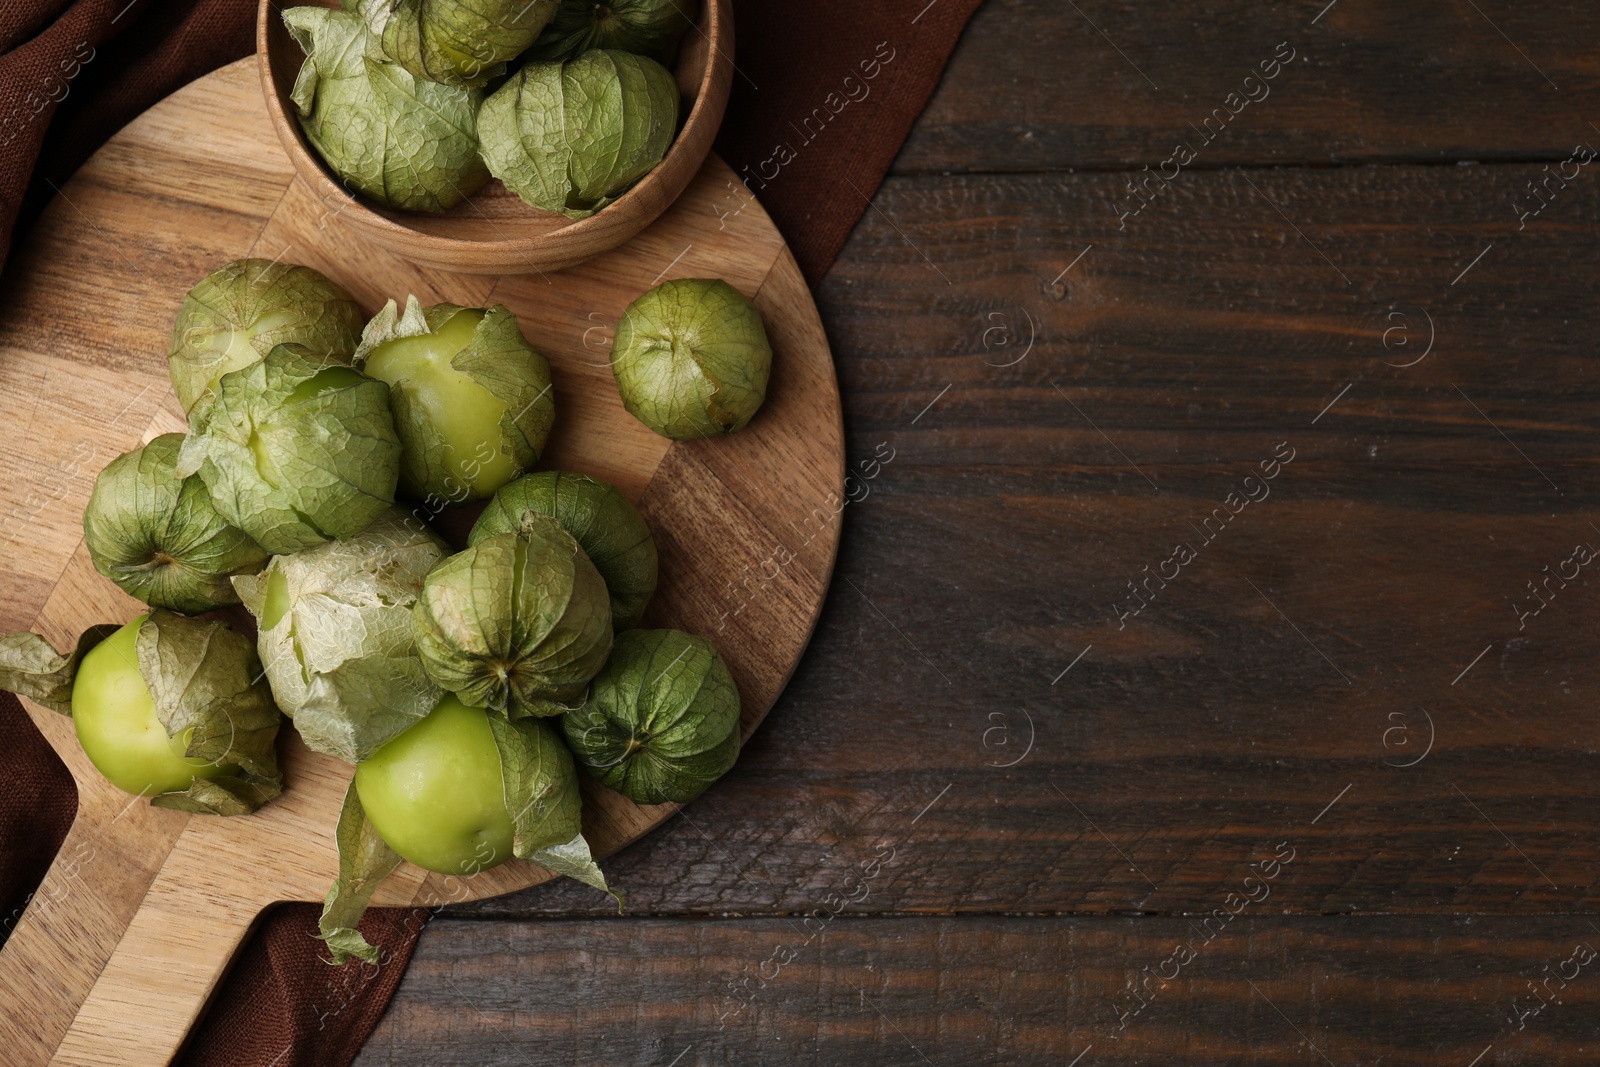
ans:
(823, 97)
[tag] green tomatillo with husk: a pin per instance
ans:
(295, 452)
(240, 312)
(334, 634)
(460, 792)
(572, 137)
(457, 42)
(645, 27)
(166, 707)
(691, 359)
(470, 397)
(605, 524)
(405, 141)
(662, 719)
(159, 537)
(518, 623)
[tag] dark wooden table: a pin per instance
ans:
(1210, 676)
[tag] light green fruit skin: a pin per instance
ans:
(117, 726)
(324, 381)
(462, 63)
(464, 414)
(228, 353)
(277, 601)
(435, 793)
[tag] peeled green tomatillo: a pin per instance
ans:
(464, 790)
(115, 717)
(240, 312)
(605, 524)
(434, 792)
(159, 537)
(166, 707)
(470, 397)
(459, 792)
(691, 359)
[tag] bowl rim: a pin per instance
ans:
(307, 163)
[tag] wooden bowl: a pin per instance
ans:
(493, 231)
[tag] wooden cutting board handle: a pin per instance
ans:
(72, 924)
(162, 973)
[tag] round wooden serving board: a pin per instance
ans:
(137, 919)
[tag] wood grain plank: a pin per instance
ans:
(112, 852)
(997, 545)
(1263, 990)
(76, 917)
(307, 230)
(797, 504)
(73, 393)
(1117, 83)
(943, 706)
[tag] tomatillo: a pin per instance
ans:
(240, 312)
(692, 359)
(470, 397)
(295, 453)
(115, 717)
(168, 707)
(458, 793)
(435, 793)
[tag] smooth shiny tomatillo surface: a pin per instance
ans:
(435, 793)
(115, 717)
(464, 413)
